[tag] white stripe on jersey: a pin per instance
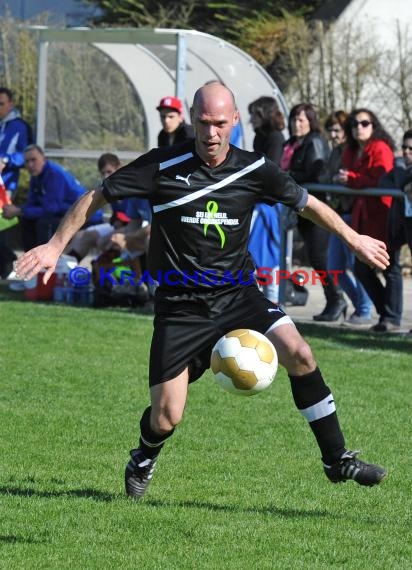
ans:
(208, 189)
(175, 160)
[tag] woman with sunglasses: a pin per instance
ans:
(340, 257)
(368, 155)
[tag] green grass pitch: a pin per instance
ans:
(239, 486)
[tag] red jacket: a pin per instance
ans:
(369, 213)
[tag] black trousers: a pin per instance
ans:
(388, 297)
(37, 232)
(7, 255)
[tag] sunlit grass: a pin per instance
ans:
(239, 486)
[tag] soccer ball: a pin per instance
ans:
(244, 362)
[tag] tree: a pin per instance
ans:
(219, 18)
(394, 77)
(341, 65)
(18, 66)
(134, 13)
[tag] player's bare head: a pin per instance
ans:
(213, 116)
(214, 95)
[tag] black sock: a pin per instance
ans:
(150, 442)
(315, 401)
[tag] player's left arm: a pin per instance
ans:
(369, 250)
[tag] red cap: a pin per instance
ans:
(122, 217)
(171, 103)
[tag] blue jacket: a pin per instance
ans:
(139, 208)
(236, 136)
(264, 239)
(52, 193)
(15, 135)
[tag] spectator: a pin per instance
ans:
(399, 233)
(7, 255)
(127, 248)
(98, 235)
(15, 135)
(236, 137)
(174, 130)
(340, 257)
(108, 163)
(305, 157)
(52, 190)
(264, 247)
(268, 123)
(132, 241)
(368, 155)
(264, 243)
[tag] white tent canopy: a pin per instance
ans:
(160, 62)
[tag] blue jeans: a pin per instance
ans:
(341, 258)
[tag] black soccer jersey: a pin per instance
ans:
(201, 215)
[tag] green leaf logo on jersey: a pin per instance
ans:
(212, 209)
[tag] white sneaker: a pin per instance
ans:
(12, 276)
(16, 283)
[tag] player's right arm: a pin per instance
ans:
(44, 257)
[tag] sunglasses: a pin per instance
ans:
(363, 123)
(406, 147)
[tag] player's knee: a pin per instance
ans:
(303, 356)
(167, 419)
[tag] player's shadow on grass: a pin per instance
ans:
(21, 491)
(358, 339)
(199, 505)
(233, 508)
(14, 539)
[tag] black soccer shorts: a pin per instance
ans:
(188, 323)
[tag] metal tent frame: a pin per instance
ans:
(160, 62)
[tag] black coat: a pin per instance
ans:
(182, 133)
(269, 142)
(310, 159)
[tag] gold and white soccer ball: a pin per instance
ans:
(244, 362)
